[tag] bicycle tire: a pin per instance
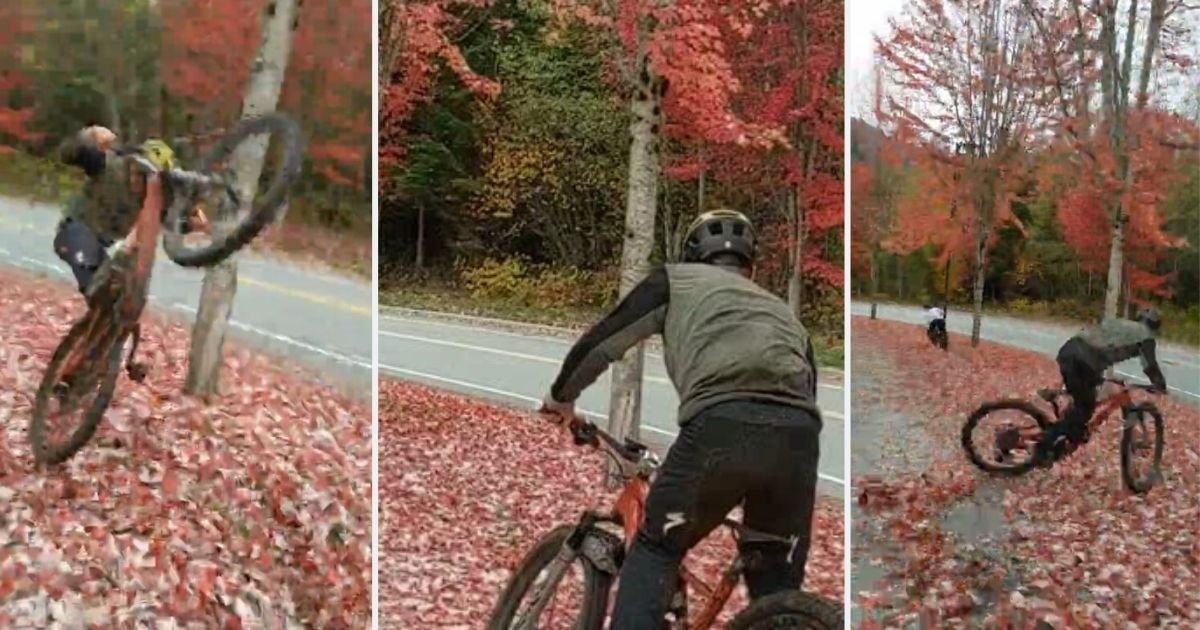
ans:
(968, 444)
(265, 208)
(791, 609)
(48, 454)
(1141, 486)
(596, 584)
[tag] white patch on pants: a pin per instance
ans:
(674, 519)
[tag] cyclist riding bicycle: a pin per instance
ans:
(1083, 360)
(748, 420)
(107, 208)
(935, 319)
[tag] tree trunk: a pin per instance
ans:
(980, 267)
(700, 191)
(796, 280)
(640, 212)
(279, 20)
(899, 276)
(874, 282)
(420, 236)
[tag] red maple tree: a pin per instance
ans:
(14, 118)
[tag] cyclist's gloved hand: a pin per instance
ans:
(558, 412)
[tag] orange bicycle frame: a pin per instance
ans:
(630, 505)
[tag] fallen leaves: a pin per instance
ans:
(467, 487)
(1076, 549)
(255, 510)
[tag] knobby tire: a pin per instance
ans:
(596, 584)
(968, 444)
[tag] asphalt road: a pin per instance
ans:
(1180, 365)
(479, 358)
(320, 320)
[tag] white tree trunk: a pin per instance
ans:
(279, 20)
(980, 269)
(640, 211)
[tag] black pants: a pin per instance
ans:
(1081, 378)
(82, 249)
(763, 456)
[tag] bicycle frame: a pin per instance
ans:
(1118, 400)
(630, 509)
(124, 290)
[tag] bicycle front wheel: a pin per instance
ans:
(553, 588)
(263, 209)
(792, 609)
(68, 408)
(1141, 448)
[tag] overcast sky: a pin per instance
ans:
(865, 18)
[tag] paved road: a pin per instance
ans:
(321, 320)
(517, 367)
(1180, 365)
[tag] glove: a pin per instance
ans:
(557, 412)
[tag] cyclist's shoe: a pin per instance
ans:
(1048, 454)
(137, 371)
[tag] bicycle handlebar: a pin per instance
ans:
(587, 433)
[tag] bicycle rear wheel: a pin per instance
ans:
(1015, 417)
(1143, 436)
(793, 609)
(264, 208)
(81, 404)
(529, 581)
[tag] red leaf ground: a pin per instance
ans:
(254, 509)
(467, 487)
(1078, 550)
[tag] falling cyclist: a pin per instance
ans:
(1083, 360)
(107, 208)
(749, 424)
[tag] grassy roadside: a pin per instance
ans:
(300, 239)
(828, 349)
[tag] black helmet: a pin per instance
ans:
(720, 232)
(1149, 317)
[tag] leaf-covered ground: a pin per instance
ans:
(467, 487)
(1069, 546)
(255, 508)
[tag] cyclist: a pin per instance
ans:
(1083, 360)
(935, 319)
(748, 420)
(107, 209)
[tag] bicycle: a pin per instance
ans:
(938, 336)
(1012, 439)
(83, 371)
(598, 542)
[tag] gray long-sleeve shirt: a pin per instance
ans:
(724, 338)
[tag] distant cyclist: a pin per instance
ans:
(749, 424)
(107, 208)
(935, 319)
(1083, 360)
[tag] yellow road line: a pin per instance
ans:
(308, 296)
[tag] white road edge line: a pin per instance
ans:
(522, 355)
(493, 331)
(530, 399)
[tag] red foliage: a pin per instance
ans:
(1085, 552)
(790, 134)
(426, 28)
(209, 47)
(250, 511)
(18, 22)
(1084, 210)
(467, 487)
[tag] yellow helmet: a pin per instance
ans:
(159, 153)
